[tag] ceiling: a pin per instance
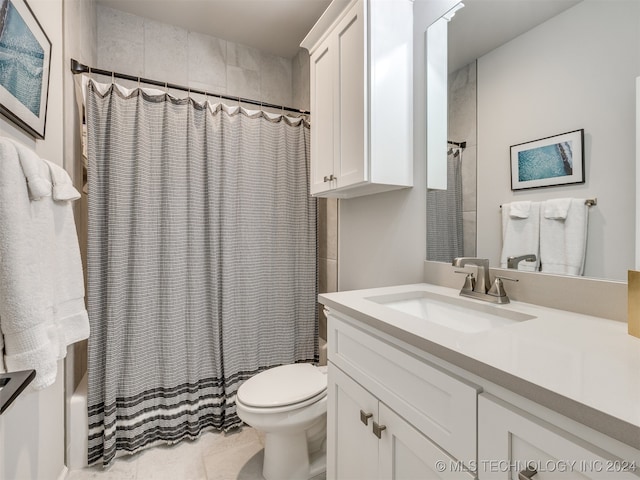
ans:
(482, 25)
(278, 26)
(273, 26)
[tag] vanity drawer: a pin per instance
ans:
(437, 404)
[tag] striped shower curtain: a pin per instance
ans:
(445, 239)
(201, 262)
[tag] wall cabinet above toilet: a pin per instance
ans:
(361, 98)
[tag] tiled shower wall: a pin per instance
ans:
(327, 253)
(142, 47)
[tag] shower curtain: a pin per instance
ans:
(444, 215)
(201, 262)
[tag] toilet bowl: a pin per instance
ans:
(289, 404)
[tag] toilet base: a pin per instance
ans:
(287, 457)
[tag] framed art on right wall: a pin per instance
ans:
(549, 161)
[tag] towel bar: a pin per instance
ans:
(589, 202)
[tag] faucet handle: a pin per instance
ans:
(497, 289)
(469, 281)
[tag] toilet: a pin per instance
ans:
(289, 404)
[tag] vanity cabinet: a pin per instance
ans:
(369, 440)
(393, 415)
(514, 444)
(361, 71)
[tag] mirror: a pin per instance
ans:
(529, 69)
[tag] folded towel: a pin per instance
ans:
(63, 188)
(520, 235)
(519, 209)
(563, 242)
(557, 209)
(36, 173)
(41, 284)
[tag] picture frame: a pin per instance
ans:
(25, 64)
(549, 161)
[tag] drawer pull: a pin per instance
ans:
(364, 417)
(377, 429)
(527, 473)
(329, 178)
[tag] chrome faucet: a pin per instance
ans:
(483, 281)
(480, 288)
(512, 262)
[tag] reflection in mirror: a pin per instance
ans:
(437, 73)
(572, 66)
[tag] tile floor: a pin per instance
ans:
(214, 456)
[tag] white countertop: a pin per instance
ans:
(584, 367)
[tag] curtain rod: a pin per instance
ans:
(77, 67)
(457, 144)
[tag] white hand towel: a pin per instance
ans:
(35, 171)
(63, 188)
(521, 236)
(519, 209)
(26, 282)
(41, 286)
(557, 209)
(563, 242)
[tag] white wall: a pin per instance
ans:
(32, 429)
(556, 78)
(382, 237)
(80, 38)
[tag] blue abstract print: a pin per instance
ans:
(21, 58)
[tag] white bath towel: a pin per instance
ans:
(35, 171)
(521, 235)
(563, 242)
(41, 285)
(62, 186)
(556, 209)
(519, 209)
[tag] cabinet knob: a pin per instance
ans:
(328, 178)
(527, 473)
(377, 429)
(364, 417)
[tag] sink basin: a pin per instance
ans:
(454, 313)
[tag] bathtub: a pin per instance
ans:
(79, 429)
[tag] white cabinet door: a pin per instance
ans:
(322, 125)
(351, 74)
(351, 159)
(367, 440)
(510, 440)
(406, 454)
(352, 448)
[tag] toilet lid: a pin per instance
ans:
(284, 385)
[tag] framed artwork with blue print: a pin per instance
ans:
(549, 161)
(25, 61)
